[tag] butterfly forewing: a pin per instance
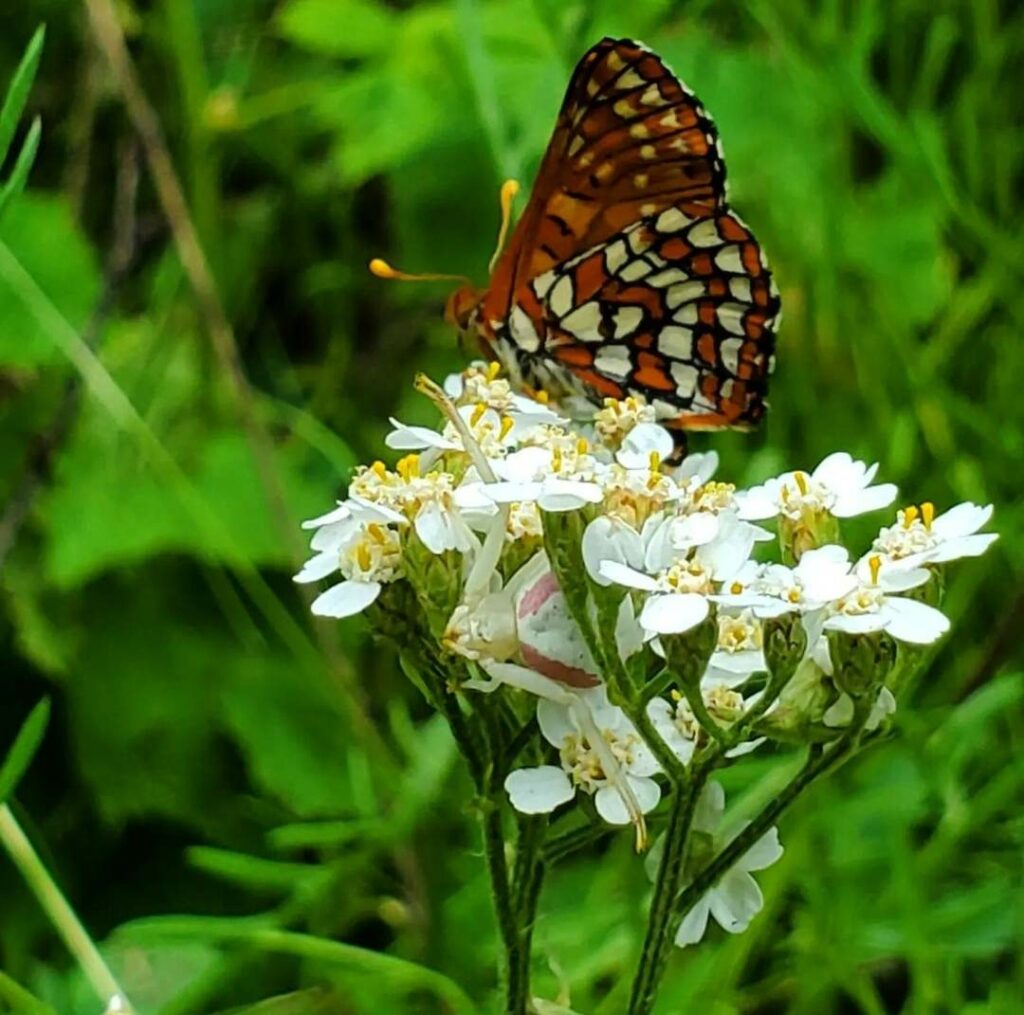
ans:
(628, 273)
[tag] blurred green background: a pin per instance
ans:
(217, 766)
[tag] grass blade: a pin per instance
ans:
(17, 93)
(26, 743)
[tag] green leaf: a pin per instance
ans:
(19, 176)
(17, 92)
(41, 233)
(26, 743)
(344, 28)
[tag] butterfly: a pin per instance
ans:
(628, 274)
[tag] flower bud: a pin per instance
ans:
(784, 640)
(861, 661)
(797, 718)
(813, 528)
(436, 578)
(687, 654)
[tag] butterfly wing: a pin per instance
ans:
(625, 237)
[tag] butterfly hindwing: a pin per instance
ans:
(627, 272)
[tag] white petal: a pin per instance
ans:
(673, 613)
(638, 444)
(839, 713)
(568, 494)
(612, 807)
(710, 807)
(333, 534)
(345, 599)
(317, 567)
(622, 574)
(336, 515)
(863, 501)
(694, 924)
(747, 747)
(436, 529)
(857, 623)
(763, 853)
(838, 471)
(629, 635)
(758, 503)
(963, 546)
(509, 492)
(885, 705)
(414, 438)
(702, 465)
(555, 722)
(538, 790)
(963, 520)
(610, 539)
(915, 622)
(735, 901)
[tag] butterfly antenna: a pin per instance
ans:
(509, 189)
(381, 268)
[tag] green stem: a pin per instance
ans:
(62, 916)
(526, 884)
(572, 841)
(19, 1000)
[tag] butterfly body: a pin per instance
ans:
(628, 273)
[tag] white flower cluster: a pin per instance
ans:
(673, 548)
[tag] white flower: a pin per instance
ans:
(368, 554)
(919, 537)
(736, 899)
(739, 651)
(769, 590)
(587, 754)
(643, 441)
(874, 605)
(556, 478)
(839, 486)
(614, 421)
(681, 559)
(482, 383)
(678, 726)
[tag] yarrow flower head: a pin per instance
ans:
(636, 624)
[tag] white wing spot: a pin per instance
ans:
(680, 294)
(668, 277)
(728, 259)
(729, 353)
(686, 314)
(635, 270)
(615, 256)
(652, 96)
(704, 234)
(627, 320)
(560, 299)
(740, 288)
(523, 331)
(671, 221)
(629, 80)
(730, 317)
(685, 375)
(676, 343)
(542, 284)
(584, 322)
(613, 360)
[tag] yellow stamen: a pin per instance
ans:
(654, 462)
(507, 422)
(610, 403)
(376, 532)
(493, 369)
(556, 459)
(478, 412)
(582, 447)
(409, 467)
(542, 397)
(928, 514)
(363, 556)
(910, 514)
(675, 695)
(379, 468)
(801, 481)
(736, 588)
(875, 563)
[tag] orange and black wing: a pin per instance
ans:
(627, 268)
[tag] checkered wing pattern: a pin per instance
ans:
(628, 273)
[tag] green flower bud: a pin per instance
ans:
(687, 654)
(812, 529)
(785, 642)
(797, 718)
(861, 661)
(437, 580)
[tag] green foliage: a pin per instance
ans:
(252, 810)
